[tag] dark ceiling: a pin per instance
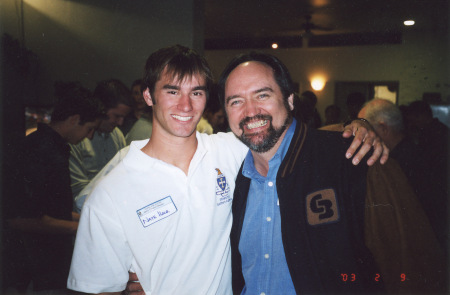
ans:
(256, 23)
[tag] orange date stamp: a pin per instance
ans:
(377, 277)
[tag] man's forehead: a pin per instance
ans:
(253, 75)
(174, 78)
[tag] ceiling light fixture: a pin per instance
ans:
(409, 22)
(274, 45)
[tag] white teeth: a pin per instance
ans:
(181, 118)
(256, 124)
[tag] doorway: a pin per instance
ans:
(369, 90)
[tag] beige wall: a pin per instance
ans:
(420, 64)
(94, 40)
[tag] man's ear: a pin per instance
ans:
(291, 101)
(382, 127)
(148, 97)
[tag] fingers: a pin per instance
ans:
(380, 151)
(365, 140)
(132, 276)
(385, 155)
(364, 149)
(348, 131)
(133, 285)
(134, 288)
(356, 143)
(377, 151)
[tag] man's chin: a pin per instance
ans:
(254, 141)
(255, 138)
(106, 130)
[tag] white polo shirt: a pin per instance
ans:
(171, 229)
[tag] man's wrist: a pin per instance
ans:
(360, 119)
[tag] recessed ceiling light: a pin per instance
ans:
(409, 23)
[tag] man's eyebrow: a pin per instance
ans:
(263, 89)
(199, 88)
(255, 92)
(174, 87)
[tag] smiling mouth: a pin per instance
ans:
(180, 118)
(256, 124)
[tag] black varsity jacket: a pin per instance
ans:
(321, 196)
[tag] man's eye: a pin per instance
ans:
(263, 95)
(234, 102)
(198, 93)
(172, 92)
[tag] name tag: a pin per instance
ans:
(156, 211)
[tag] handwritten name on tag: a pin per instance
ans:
(156, 211)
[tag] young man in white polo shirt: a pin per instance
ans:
(165, 210)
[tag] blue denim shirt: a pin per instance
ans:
(263, 260)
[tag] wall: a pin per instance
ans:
(90, 41)
(420, 64)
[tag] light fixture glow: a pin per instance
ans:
(274, 45)
(318, 83)
(409, 22)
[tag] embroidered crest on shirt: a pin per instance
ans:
(222, 189)
(321, 207)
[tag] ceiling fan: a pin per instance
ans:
(308, 27)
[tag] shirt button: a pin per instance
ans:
(266, 256)
(268, 219)
(270, 183)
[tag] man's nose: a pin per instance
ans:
(185, 103)
(251, 108)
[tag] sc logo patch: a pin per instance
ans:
(321, 207)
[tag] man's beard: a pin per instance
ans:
(269, 139)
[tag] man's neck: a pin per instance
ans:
(175, 151)
(60, 128)
(394, 141)
(261, 160)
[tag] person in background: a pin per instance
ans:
(213, 119)
(139, 107)
(354, 103)
(305, 108)
(332, 115)
(405, 185)
(42, 209)
(142, 129)
(432, 137)
(89, 156)
(387, 120)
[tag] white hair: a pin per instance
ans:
(382, 110)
